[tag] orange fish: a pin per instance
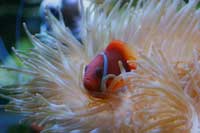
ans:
(107, 62)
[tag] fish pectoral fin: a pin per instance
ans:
(132, 64)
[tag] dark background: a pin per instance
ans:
(12, 14)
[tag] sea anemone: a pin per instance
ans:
(161, 95)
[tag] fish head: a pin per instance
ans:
(93, 74)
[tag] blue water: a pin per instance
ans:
(8, 119)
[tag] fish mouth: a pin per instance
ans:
(91, 85)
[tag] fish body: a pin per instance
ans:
(107, 62)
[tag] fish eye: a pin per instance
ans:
(99, 72)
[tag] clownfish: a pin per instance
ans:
(107, 62)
